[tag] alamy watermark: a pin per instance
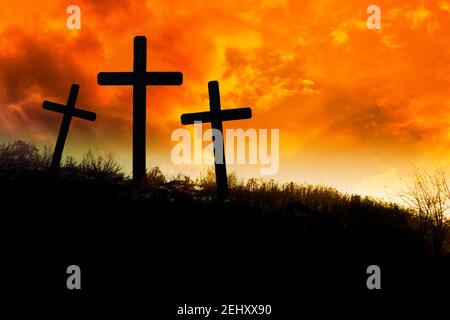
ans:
(73, 21)
(241, 146)
(374, 20)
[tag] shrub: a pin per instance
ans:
(23, 155)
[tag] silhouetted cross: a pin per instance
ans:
(69, 111)
(139, 79)
(216, 116)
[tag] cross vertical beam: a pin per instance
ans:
(216, 123)
(139, 107)
(64, 129)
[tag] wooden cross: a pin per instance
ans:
(215, 116)
(68, 111)
(139, 78)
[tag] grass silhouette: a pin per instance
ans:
(95, 198)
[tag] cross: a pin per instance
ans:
(215, 116)
(139, 78)
(68, 112)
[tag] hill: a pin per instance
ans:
(92, 213)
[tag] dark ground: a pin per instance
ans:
(163, 248)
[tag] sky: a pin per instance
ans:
(355, 108)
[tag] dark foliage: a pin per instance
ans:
(94, 196)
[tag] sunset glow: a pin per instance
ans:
(356, 108)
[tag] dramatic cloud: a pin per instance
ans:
(341, 95)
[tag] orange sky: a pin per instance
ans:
(355, 107)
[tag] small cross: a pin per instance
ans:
(215, 116)
(139, 78)
(68, 111)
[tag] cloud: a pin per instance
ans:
(444, 5)
(33, 69)
(339, 36)
(310, 68)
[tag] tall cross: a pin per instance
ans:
(69, 111)
(215, 116)
(139, 78)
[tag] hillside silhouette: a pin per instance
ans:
(91, 211)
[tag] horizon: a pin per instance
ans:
(201, 170)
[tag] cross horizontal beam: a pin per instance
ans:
(150, 78)
(222, 115)
(79, 113)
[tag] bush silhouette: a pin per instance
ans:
(318, 216)
(23, 155)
